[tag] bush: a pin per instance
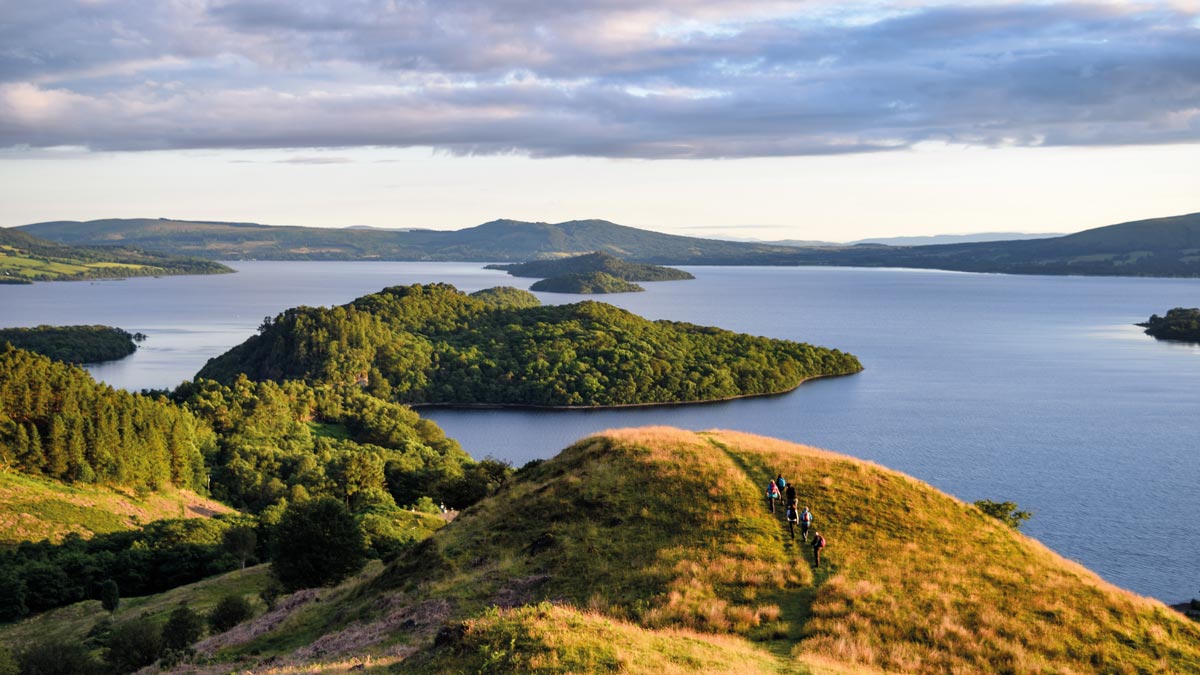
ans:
(8, 664)
(1005, 512)
(134, 645)
(51, 657)
(229, 612)
(318, 543)
(183, 628)
(110, 595)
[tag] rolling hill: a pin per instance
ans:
(1154, 247)
(652, 551)
(498, 240)
(25, 258)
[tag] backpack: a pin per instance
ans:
(772, 491)
(819, 542)
(806, 516)
(791, 514)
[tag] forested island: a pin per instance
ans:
(1179, 324)
(74, 344)
(432, 344)
(585, 284)
(25, 258)
(597, 262)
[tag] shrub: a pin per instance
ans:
(110, 595)
(183, 628)
(134, 645)
(229, 612)
(318, 543)
(51, 657)
(1005, 512)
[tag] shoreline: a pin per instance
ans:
(614, 406)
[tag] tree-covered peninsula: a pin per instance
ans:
(1179, 324)
(434, 344)
(586, 284)
(75, 344)
(594, 262)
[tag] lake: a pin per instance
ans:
(1032, 389)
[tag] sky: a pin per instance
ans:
(764, 119)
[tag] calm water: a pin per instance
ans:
(1032, 389)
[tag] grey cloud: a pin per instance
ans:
(612, 78)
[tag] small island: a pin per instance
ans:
(432, 344)
(1179, 324)
(594, 262)
(585, 284)
(74, 344)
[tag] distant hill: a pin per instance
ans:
(935, 239)
(651, 551)
(586, 283)
(1154, 247)
(498, 240)
(594, 262)
(25, 258)
(74, 344)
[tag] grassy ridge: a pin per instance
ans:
(652, 551)
(32, 509)
(659, 555)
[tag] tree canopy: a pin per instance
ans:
(434, 344)
(74, 344)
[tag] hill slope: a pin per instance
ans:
(1154, 247)
(658, 553)
(33, 509)
(502, 240)
(25, 258)
(587, 283)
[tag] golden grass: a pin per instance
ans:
(659, 555)
(920, 582)
(32, 509)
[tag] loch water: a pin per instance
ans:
(1034, 389)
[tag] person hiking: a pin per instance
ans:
(781, 483)
(818, 543)
(790, 495)
(806, 519)
(792, 518)
(772, 494)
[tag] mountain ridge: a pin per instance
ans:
(1168, 246)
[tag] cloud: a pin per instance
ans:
(608, 78)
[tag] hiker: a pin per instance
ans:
(781, 483)
(806, 519)
(792, 518)
(818, 543)
(790, 495)
(772, 494)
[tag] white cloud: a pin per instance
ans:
(616, 78)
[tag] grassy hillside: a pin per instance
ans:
(658, 555)
(32, 509)
(72, 624)
(25, 258)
